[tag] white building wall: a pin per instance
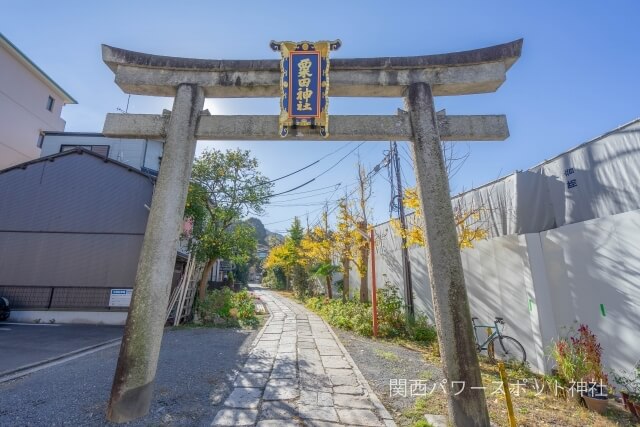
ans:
(23, 111)
(137, 153)
(598, 262)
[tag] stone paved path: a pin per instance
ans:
(299, 374)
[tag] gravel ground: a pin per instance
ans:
(381, 362)
(194, 373)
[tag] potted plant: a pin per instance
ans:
(578, 359)
(631, 393)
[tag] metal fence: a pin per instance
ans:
(54, 298)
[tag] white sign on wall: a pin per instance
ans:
(120, 297)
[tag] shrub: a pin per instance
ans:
(355, 316)
(300, 282)
(630, 382)
(391, 317)
(349, 315)
(422, 330)
(224, 307)
(578, 357)
(218, 303)
(275, 278)
(246, 309)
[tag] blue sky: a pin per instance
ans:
(577, 78)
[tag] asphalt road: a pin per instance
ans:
(195, 373)
(25, 344)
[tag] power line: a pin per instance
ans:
(292, 205)
(315, 189)
(289, 219)
(372, 173)
(303, 197)
(297, 171)
(341, 159)
(310, 164)
(316, 177)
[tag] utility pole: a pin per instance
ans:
(406, 263)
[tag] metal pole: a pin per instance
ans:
(467, 407)
(135, 373)
(406, 264)
(374, 297)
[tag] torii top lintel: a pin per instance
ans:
(460, 73)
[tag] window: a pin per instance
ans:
(50, 103)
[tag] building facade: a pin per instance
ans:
(142, 154)
(71, 230)
(30, 103)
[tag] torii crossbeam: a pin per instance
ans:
(418, 79)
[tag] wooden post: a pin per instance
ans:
(467, 408)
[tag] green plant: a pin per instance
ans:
(578, 357)
(391, 319)
(350, 315)
(630, 381)
(422, 330)
(356, 316)
(275, 278)
(392, 357)
(225, 307)
(246, 309)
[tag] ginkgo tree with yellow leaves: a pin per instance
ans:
(289, 257)
(468, 221)
(318, 250)
(344, 242)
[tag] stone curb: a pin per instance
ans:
(384, 414)
(255, 341)
(257, 338)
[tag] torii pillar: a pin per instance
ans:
(138, 359)
(418, 79)
(449, 294)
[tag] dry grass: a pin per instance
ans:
(288, 294)
(532, 408)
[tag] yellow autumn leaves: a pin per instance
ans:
(469, 224)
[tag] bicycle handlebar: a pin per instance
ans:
(499, 320)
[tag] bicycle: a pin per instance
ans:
(498, 346)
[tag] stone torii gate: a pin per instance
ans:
(418, 79)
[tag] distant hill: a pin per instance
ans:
(262, 233)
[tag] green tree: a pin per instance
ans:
(226, 186)
(289, 257)
(318, 249)
(296, 232)
(344, 239)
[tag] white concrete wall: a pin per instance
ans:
(499, 283)
(79, 317)
(23, 111)
(137, 153)
(598, 262)
(543, 283)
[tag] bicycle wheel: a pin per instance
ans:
(507, 349)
